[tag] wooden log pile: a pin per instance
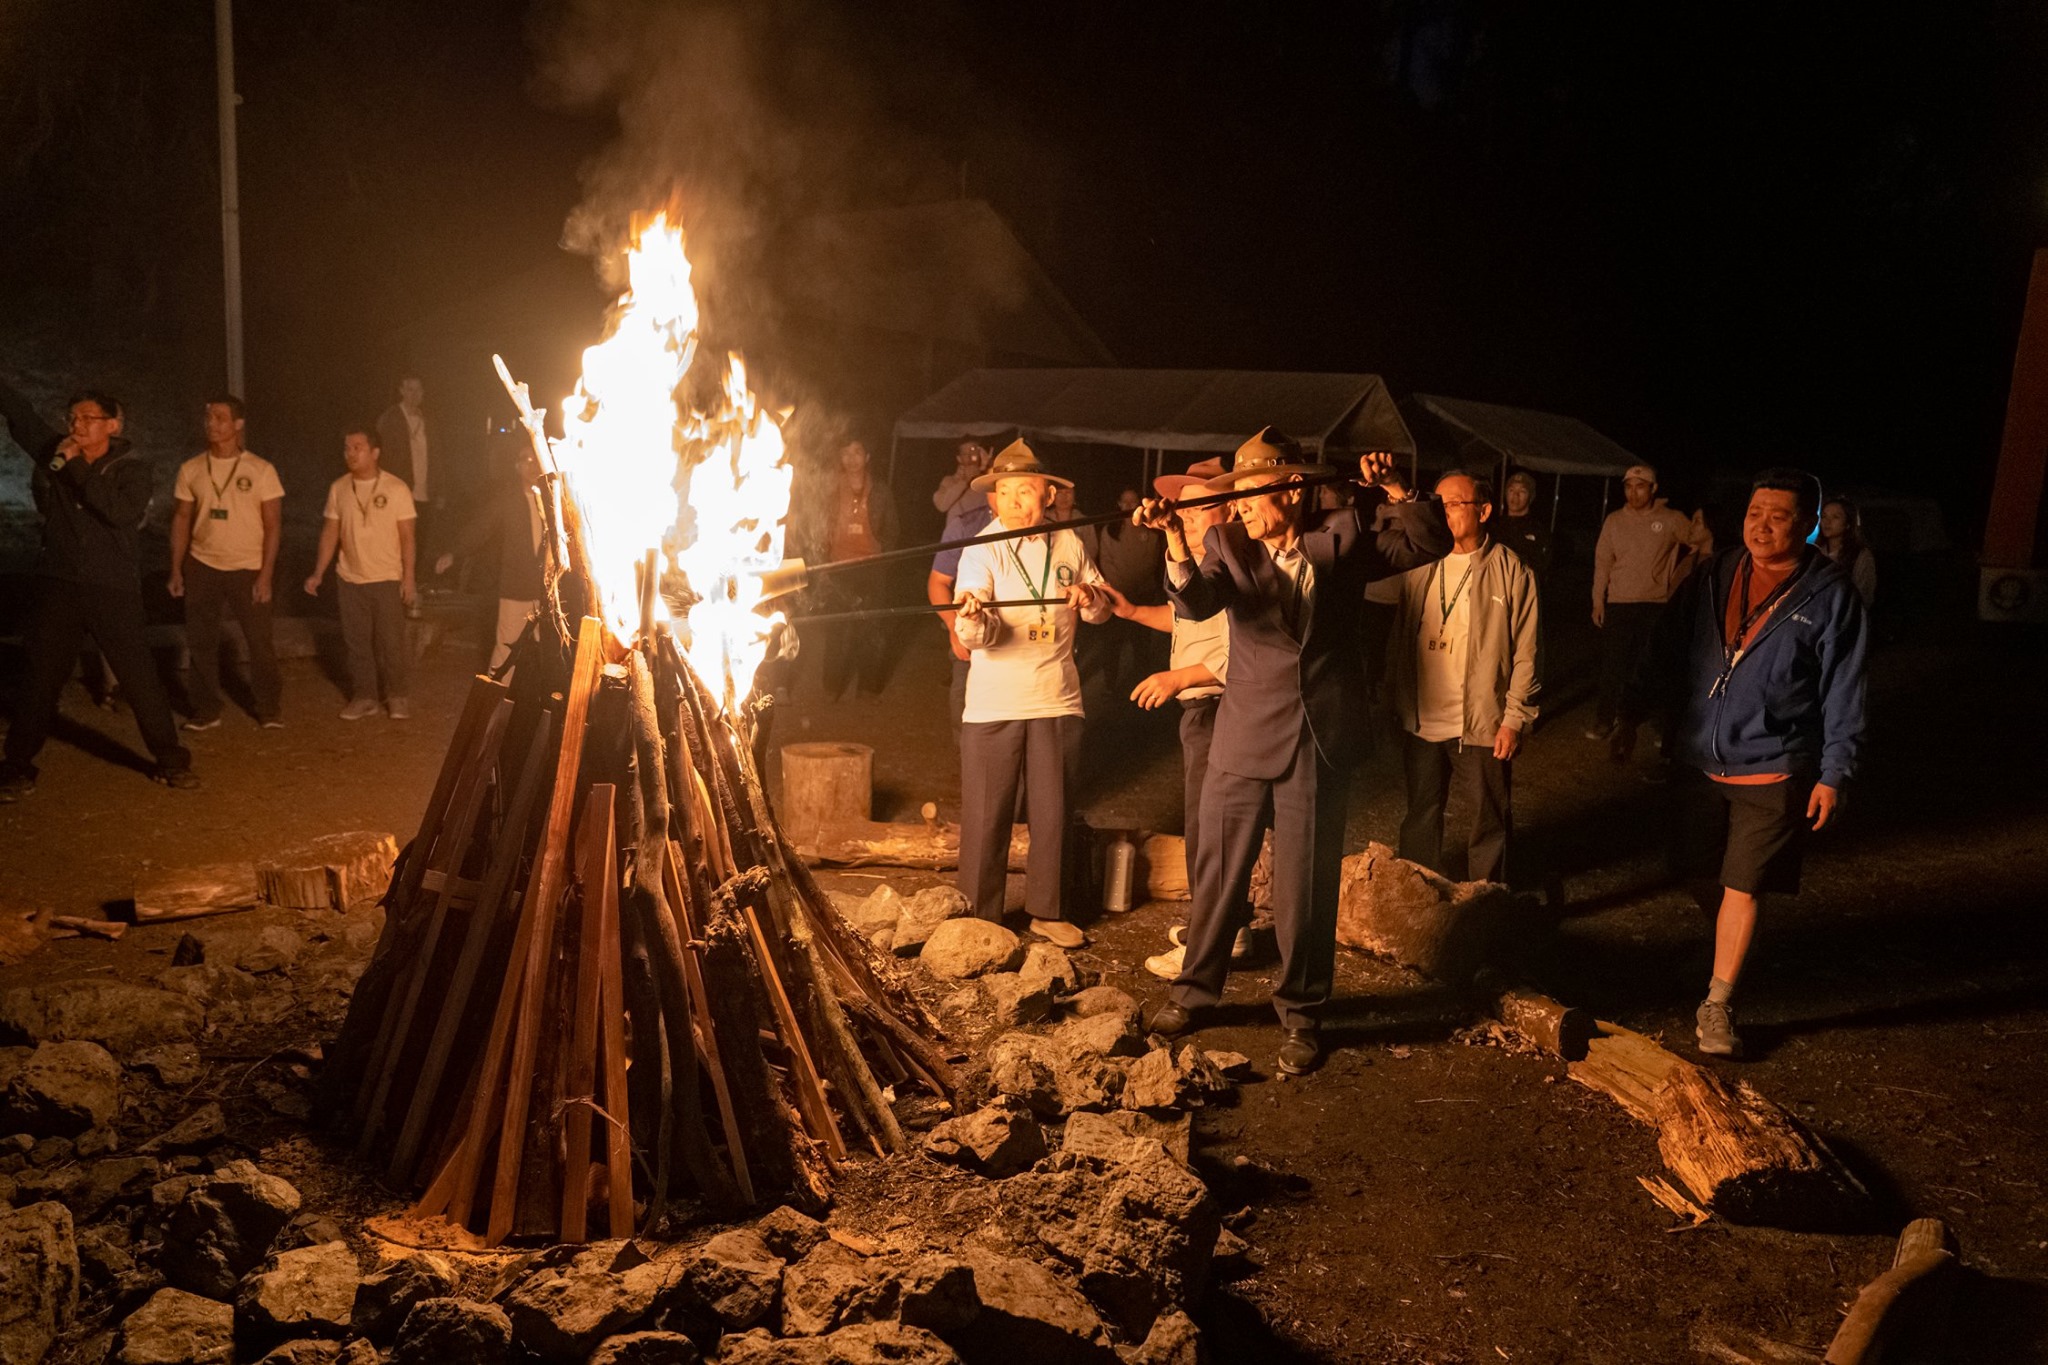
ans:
(608, 996)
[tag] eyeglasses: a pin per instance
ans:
(1468, 502)
(79, 419)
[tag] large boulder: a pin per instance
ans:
(62, 1090)
(961, 949)
(1104, 1135)
(790, 1234)
(874, 915)
(646, 1348)
(996, 1141)
(560, 1313)
(867, 1343)
(176, 1328)
(1173, 1340)
(38, 1280)
(221, 1227)
(1108, 1034)
(1027, 1314)
(1049, 965)
(116, 1015)
(925, 912)
(309, 1292)
(385, 1297)
(453, 1332)
(1052, 1080)
(1094, 1000)
(733, 1279)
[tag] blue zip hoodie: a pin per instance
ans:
(1792, 701)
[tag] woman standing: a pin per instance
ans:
(1841, 539)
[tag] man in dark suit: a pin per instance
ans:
(1291, 580)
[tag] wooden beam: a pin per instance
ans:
(707, 1028)
(617, 1115)
(594, 872)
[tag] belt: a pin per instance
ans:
(1196, 703)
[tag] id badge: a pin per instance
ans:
(1038, 635)
(219, 514)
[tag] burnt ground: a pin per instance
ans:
(1425, 1197)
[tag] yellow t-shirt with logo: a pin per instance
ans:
(369, 511)
(227, 498)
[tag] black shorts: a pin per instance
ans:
(1748, 837)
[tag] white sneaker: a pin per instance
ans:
(399, 708)
(357, 709)
(1167, 965)
(1240, 947)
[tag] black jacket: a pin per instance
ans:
(92, 517)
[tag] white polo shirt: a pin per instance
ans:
(1025, 669)
(227, 498)
(369, 511)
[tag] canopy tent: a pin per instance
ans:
(1182, 410)
(1542, 441)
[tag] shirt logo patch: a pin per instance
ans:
(244, 484)
(379, 502)
(1805, 621)
(1064, 576)
(1656, 526)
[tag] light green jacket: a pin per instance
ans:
(1503, 666)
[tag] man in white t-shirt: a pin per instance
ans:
(1464, 669)
(1023, 712)
(225, 530)
(370, 520)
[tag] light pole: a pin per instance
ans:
(230, 189)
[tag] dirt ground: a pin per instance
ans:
(1424, 1198)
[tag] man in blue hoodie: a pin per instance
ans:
(1762, 660)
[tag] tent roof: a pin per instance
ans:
(1542, 441)
(951, 271)
(1164, 409)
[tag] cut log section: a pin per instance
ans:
(1166, 868)
(1392, 908)
(933, 847)
(1556, 1028)
(825, 784)
(333, 872)
(165, 894)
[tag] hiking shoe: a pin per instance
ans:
(1714, 1027)
(1059, 933)
(177, 779)
(357, 709)
(399, 708)
(15, 786)
(1166, 966)
(195, 725)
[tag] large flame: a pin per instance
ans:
(708, 490)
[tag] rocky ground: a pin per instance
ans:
(1426, 1197)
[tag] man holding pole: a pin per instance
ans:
(1291, 581)
(1023, 711)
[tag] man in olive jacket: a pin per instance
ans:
(1465, 668)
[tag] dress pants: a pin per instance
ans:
(512, 615)
(1197, 732)
(207, 592)
(65, 614)
(994, 755)
(373, 625)
(1624, 640)
(1305, 808)
(1482, 782)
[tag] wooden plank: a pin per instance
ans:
(594, 870)
(476, 709)
(810, 1087)
(505, 861)
(458, 888)
(617, 1118)
(707, 1029)
(543, 892)
(472, 788)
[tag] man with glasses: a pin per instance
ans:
(92, 490)
(1464, 673)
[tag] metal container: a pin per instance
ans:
(1119, 868)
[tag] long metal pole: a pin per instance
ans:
(230, 190)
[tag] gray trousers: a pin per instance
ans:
(994, 755)
(1305, 808)
(373, 626)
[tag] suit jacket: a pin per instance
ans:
(1276, 681)
(395, 435)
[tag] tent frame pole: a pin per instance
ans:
(1556, 497)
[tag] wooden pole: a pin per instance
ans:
(594, 870)
(707, 1029)
(617, 1117)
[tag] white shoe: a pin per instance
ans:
(1167, 965)
(1058, 932)
(1240, 947)
(399, 708)
(357, 709)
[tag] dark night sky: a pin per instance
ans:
(1729, 235)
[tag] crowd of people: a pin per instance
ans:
(1286, 611)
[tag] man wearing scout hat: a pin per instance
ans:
(1290, 581)
(1023, 714)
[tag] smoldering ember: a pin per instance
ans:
(798, 683)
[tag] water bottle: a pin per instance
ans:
(1119, 862)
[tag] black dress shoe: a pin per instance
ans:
(1301, 1053)
(1170, 1020)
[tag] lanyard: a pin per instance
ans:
(363, 508)
(220, 489)
(1732, 647)
(1446, 607)
(1044, 577)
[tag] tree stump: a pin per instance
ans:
(1748, 1159)
(825, 784)
(1394, 909)
(334, 871)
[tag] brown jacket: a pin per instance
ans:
(1641, 555)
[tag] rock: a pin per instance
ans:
(38, 1280)
(936, 1292)
(1020, 1066)
(453, 1332)
(311, 1229)
(874, 914)
(62, 1090)
(8, 1191)
(307, 1292)
(173, 1066)
(176, 1328)
(1051, 965)
(1104, 1135)
(1394, 909)
(560, 1313)
(832, 1287)
(1232, 1065)
(924, 912)
(867, 1343)
(1173, 1340)
(114, 1014)
(646, 1348)
(308, 1352)
(734, 1278)
(1094, 1000)
(359, 1352)
(100, 1256)
(1014, 998)
(790, 1234)
(51, 1151)
(1162, 1080)
(384, 1298)
(196, 1132)
(1102, 1035)
(275, 949)
(222, 1227)
(1140, 1229)
(996, 1141)
(97, 1141)
(1028, 1314)
(961, 949)
(1090, 1082)
(117, 1180)
(11, 1059)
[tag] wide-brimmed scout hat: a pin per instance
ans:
(1173, 485)
(1272, 451)
(1017, 461)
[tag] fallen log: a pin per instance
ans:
(166, 894)
(1556, 1028)
(1911, 1299)
(874, 843)
(1394, 909)
(334, 871)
